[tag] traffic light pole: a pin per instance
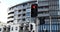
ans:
(30, 22)
(50, 24)
(36, 19)
(36, 25)
(37, 1)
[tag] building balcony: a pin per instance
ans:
(11, 15)
(41, 15)
(43, 4)
(28, 16)
(20, 12)
(23, 7)
(10, 11)
(24, 12)
(56, 7)
(10, 19)
(44, 9)
(24, 17)
(26, 6)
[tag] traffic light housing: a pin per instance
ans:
(34, 10)
(42, 20)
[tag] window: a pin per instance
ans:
(4, 28)
(12, 29)
(9, 8)
(9, 28)
(21, 28)
(7, 21)
(25, 4)
(10, 13)
(23, 19)
(19, 20)
(28, 14)
(28, 19)
(16, 28)
(24, 9)
(11, 21)
(44, 7)
(24, 14)
(15, 10)
(43, 12)
(19, 10)
(19, 15)
(0, 29)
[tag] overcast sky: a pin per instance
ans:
(4, 5)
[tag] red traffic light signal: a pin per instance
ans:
(34, 10)
(33, 6)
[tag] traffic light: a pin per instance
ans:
(34, 10)
(42, 20)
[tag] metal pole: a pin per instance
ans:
(30, 21)
(50, 24)
(36, 19)
(36, 24)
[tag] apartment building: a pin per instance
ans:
(48, 9)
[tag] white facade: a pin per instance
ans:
(1, 28)
(14, 28)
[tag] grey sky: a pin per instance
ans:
(13, 2)
(4, 5)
